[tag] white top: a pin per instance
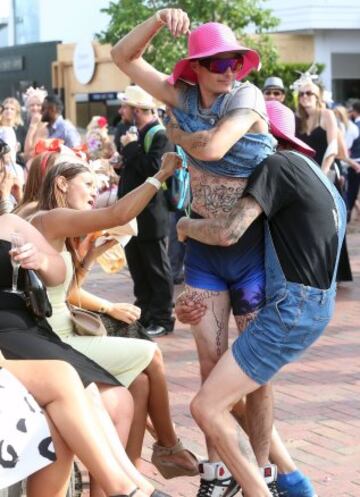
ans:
(351, 133)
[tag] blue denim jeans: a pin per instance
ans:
(294, 315)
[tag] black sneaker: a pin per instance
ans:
(270, 475)
(216, 480)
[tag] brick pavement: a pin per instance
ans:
(317, 399)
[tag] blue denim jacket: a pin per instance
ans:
(242, 158)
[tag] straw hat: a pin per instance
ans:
(137, 97)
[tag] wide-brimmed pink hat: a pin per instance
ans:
(210, 39)
(282, 125)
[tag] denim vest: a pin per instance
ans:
(276, 283)
(243, 157)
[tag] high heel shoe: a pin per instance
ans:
(171, 469)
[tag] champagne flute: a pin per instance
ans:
(17, 241)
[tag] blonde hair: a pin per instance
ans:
(18, 119)
(301, 112)
(99, 144)
(341, 113)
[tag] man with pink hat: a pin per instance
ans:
(222, 125)
(304, 228)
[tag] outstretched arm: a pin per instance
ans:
(213, 144)
(70, 223)
(223, 230)
(127, 53)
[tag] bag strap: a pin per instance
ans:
(150, 135)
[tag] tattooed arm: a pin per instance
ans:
(223, 230)
(213, 144)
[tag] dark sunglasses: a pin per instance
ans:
(220, 66)
(307, 93)
(276, 93)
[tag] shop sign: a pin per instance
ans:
(100, 96)
(13, 63)
(84, 62)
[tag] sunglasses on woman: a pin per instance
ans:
(220, 66)
(308, 93)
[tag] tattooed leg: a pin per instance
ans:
(259, 409)
(211, 334)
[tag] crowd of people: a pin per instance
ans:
(92, 386)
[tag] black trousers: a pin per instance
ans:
(150, 270)
(352, 189)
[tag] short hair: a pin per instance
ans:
(56, 101)
(356, 106)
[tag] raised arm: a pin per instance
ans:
(69, 223)
(213, 144)
(223, 230)
(127, 53)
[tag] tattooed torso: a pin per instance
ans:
(214, 195)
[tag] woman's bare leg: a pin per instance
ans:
(56, 387)
(118, 451)
(119, 405)
(159, 411)
(140, 390)
(54, 479)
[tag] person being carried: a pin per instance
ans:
(301, 263)
(222, 126)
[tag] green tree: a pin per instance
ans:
(165, 50)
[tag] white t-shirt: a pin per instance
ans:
(351, 133)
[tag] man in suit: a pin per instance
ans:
(146, 254)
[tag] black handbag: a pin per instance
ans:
(36, 296)
(117, 328)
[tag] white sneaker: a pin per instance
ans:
(216, 480)
(269, 473)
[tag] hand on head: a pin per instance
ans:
(176, 20)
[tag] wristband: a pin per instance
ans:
(154, 182)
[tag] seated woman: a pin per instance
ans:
(71, 185)
(75, 425)
(24, 336)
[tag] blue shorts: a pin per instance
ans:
(284, 328)
(238, 269)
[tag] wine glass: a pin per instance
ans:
(17, 241)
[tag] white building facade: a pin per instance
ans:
(335, 28)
